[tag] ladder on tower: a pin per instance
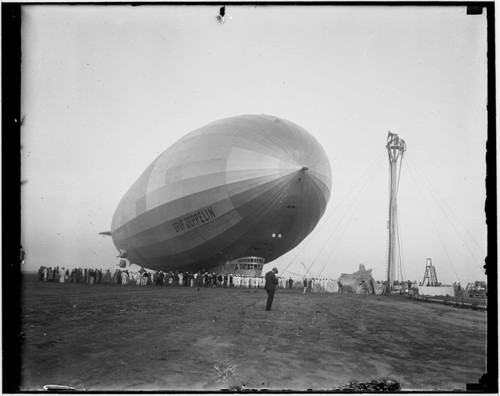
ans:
(430, 274)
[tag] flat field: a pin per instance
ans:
(97, 337)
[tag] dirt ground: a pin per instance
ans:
(97, 337)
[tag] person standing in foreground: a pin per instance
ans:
(270, 286)
(198, 280)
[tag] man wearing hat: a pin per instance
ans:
(270, 286)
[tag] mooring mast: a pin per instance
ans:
(395, 148)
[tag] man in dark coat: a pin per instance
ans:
(271, 286)
(199, 280)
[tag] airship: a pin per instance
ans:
(228, 197)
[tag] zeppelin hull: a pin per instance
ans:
(244, 186)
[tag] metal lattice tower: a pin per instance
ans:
(395, 148)
(430, 274)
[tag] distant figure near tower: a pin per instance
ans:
(395, 148)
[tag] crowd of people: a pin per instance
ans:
(316, 285)
(77, 275)
(121, 276)
(142, 277)
(156, 278)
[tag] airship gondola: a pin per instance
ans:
(227, 197)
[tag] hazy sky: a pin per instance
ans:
(107, 89)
